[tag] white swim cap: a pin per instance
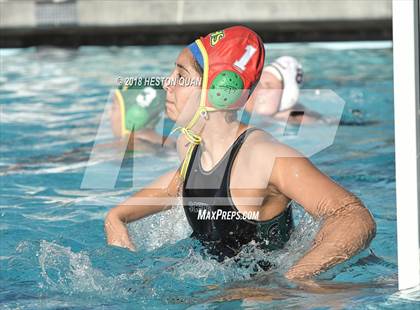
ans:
(288, 70)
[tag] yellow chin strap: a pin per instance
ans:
(192, 137)
(120, 100)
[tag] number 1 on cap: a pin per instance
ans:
(241, 63)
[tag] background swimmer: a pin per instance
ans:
(135, 112)
(277, 93)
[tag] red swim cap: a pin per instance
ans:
(232, 60)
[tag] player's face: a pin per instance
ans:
(182, 89)
(266, 97)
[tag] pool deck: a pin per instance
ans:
(129, 22)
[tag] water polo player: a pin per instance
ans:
(137, 109)
(231, 169)
(135, 112)
(277, 93)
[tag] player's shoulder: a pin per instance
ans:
(261, 145)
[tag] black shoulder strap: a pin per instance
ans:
(235, 149)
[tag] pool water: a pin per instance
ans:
(53, 252)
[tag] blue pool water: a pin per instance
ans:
(53, 252)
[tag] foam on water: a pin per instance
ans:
(73, 273)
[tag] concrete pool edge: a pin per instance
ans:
(73, 36)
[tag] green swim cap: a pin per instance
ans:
(141, 104)
(136, 118)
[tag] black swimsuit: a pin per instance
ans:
(206, 194)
